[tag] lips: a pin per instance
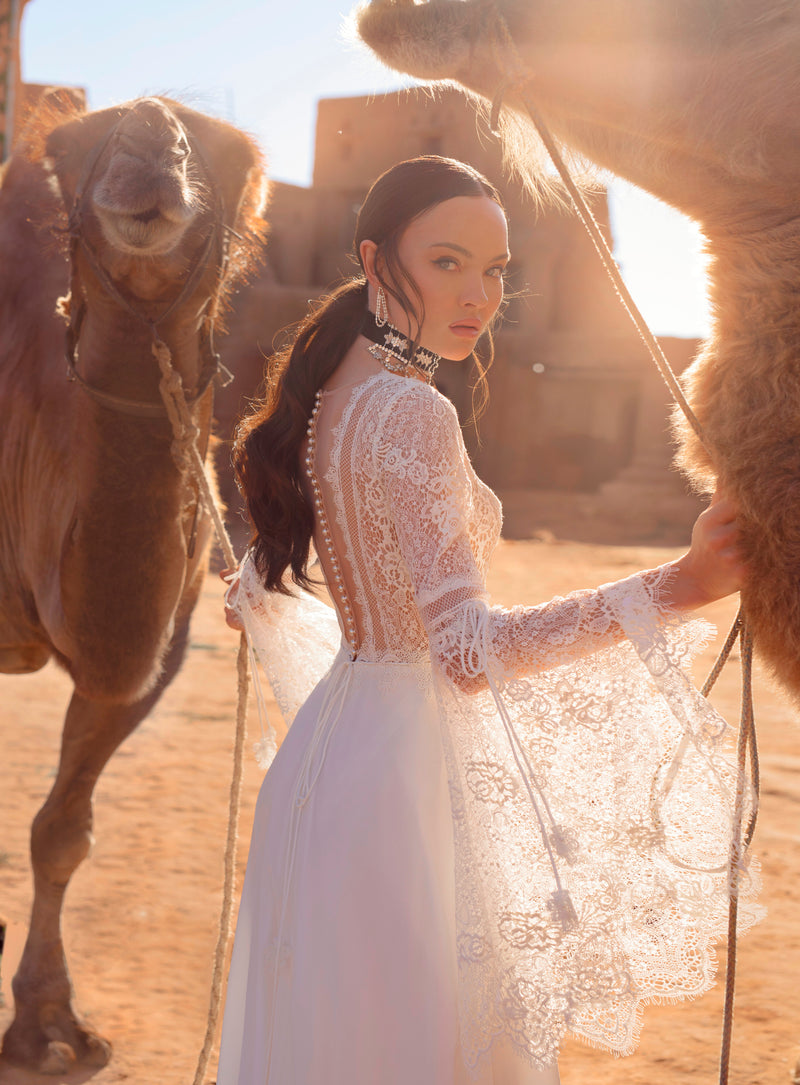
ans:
(466, 329)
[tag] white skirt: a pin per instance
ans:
(344, 965)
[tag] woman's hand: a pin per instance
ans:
(231, 615)
(712, 568)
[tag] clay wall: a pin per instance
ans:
(10, 76)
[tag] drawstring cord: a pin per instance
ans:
(474, 660)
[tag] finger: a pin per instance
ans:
(233, 619)
(730, 553)
(723, 511)
(717, 537)
(714, 526)
(726, 538)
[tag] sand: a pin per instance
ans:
(141, 917)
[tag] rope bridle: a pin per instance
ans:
(215, 247)
(518, 80)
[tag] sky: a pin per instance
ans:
(264, 65)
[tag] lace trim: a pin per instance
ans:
(636, 896)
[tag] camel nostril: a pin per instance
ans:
(147, 216)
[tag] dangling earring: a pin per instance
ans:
(381, 308)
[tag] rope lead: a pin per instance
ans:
(187, 456)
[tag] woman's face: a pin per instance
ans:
(455, 253)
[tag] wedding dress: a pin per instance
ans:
(485, 828)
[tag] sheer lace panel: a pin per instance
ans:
(350, 455)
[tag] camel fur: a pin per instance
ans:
(98, 571)
(698, 104)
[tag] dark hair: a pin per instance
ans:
(266, 450)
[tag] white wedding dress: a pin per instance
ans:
(485, 828)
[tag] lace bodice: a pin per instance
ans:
(413, 529)
(412, 520)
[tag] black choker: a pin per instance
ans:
(390, 343)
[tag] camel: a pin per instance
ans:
(103, 546)
(696, 103)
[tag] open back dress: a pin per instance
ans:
(486, 827)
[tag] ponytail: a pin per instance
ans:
(266, 450)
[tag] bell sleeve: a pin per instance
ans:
(591, 785)
(294, 638)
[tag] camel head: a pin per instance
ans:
(143, 184)
(694, 101)
(145, 192)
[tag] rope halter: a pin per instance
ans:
(215, 248)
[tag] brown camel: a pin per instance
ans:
(697, 103)
(102, 545)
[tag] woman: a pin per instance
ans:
(485, 827)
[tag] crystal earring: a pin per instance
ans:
(381, 308)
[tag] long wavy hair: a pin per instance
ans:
(266, 450)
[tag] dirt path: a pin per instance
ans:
(141, 917)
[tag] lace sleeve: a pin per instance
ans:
(431, 490)
(293, 637)
(592, 795)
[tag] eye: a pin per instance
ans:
(496, 272)
(181, 151)
(447, 263)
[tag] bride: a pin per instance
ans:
(485, 828)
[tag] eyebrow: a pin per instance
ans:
(463, 251)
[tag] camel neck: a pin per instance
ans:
(115, 353)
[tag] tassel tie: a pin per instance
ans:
(339, 679)
(474, 659)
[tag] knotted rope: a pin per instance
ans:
(187, 457)
(509, 60)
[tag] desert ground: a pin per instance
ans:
(142, 912)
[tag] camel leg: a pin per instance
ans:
(46, 1033)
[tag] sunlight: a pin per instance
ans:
(660, 252)
(237, 62)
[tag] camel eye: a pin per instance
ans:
(181, 152)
